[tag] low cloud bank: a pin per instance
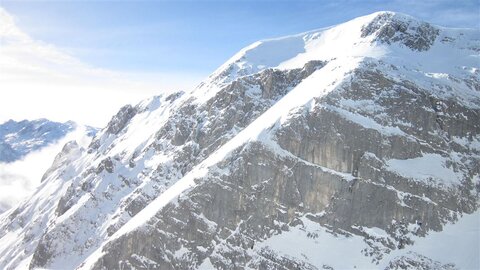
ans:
(20, 179)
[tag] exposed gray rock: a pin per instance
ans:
(417, 261)
(120, 120)
(264, 194)
(187, 137)
(209, 185)
(418, 36)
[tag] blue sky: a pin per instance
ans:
(195, 37)
(82, 60)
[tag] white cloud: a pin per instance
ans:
(40, 80)
(19, 179)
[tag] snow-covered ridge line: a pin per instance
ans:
(374, 35)
(324, 80)
(17, 139)
(27, 150)
(299, 49)
(316, 99)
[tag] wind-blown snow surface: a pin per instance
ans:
(152, 155)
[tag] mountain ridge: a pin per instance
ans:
(315, 143)
(26, 148)
(26, 136)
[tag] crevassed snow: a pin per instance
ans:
(427, 167)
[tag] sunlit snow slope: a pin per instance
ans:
(361, 138)
(27, 150)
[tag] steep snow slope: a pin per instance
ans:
(29, 148)
(308, 133)
(325, 81)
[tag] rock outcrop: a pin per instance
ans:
(276, 162)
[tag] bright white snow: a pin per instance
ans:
(19, 179)
(429, 167)
(344, 50)
(458, 243)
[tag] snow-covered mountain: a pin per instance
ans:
(17, 139)
(353, 146)
(27, 149)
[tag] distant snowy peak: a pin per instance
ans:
(18, 139)
(372, 35)
(353, 134)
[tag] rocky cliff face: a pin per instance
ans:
(279, 162)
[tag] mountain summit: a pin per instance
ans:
(353, 146)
